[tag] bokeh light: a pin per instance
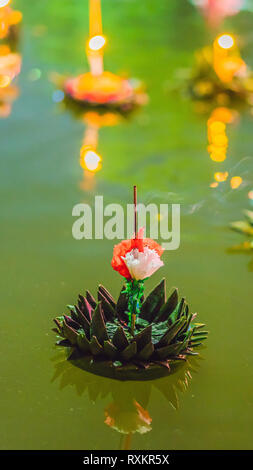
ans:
(58, 96)
(220, 176)
(235, 182)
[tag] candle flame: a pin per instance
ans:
(4, 3)
(226, 41)
(96, 43)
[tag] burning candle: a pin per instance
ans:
(96, 40)
(226, 58)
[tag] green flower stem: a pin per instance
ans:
(134, 291)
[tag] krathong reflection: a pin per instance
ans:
(244, 227)
(126, 411)
(216, 131)
(90, 159)
(9, 20)
(10, 66)
(99, 87)
(215, 11)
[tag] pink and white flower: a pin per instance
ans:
(142, 264)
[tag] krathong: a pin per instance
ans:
(100, 87)
(220, 76)
(135, 337)
(9, 20)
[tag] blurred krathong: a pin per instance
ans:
(220, 76)
(9, 20)
(99, 87)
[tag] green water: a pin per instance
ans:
(45, 402)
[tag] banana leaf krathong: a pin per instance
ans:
(101, 340)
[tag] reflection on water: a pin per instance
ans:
(216, 131)
(127, 409)
(90, 159)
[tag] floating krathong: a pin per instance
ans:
(135, 337)
(9, 20)
(220, 76)
(99, 87)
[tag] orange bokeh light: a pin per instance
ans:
(220, 177)
(235, 182)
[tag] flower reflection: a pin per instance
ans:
(10, 66)
(127, 411)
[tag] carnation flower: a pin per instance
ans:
(137, 258)
(142, 265)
